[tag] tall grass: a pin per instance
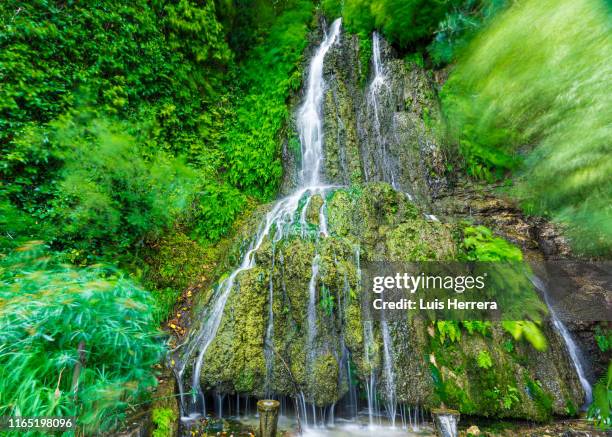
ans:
(531, 94)
(74, 342)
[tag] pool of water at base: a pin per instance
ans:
(343, 428)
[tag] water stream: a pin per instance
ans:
(287, 215)
(379, 90)
(276, 225)
(570, 344)
(448, 425)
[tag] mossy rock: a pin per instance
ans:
(324, 382)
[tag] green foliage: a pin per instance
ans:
(484, 360)
(158, 75)
(479, 244)
(543, 400)
(510, 398)
(402, 22)
(526, 329)
(124, 55)
(481, 327)
(459, 26)
(269, 75)
(217, 209)
(538, 106)
(46, 310)
(508, 346)
(448, 329)
(603, 337)
(599, 410)
(163, 419)
(109, 194)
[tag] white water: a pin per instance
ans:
(572, 348)
(310, 120)
(356, 430)
(312, 306)
(448, 425)
(269, 340)
(276, 225)
(377, 88)
(390, 399)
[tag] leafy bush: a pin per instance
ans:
(169, 56)
(75, 342)
(269, 74)
(599, 410)
(479, 244)
(163, 419)
(539, 106)
(217, 209)
(109, 194)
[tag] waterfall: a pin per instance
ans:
(378, 89)
(269, 340)
(276, 225)
(570, 344)
(448, 425)
(312, 306)
(368, 343)
(310, 120)
(390, 401)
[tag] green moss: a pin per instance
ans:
(543, 400)
(324, 383)
(163, 419)
(314, 207)
(420, 240)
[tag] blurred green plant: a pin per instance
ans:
(599, 410)
(479, 244)
(75, 342)
(110, 196)
(539, 106)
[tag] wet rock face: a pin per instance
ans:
(377, 129)
(427, 369)
(294, 321)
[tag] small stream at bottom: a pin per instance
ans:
(345, 428)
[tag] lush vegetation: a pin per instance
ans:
(600, 411)
(539, 106)
(75, 341)
(437, 28)
(128, 133)
(134, 135)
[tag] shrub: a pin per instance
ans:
(538, 107)
(599, 410)
(75, 342)
(109, 194)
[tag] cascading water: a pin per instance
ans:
(312, 306)
(448, 425)
(378, 90)
(269, 340)
(390, 399)
(310, 120)
(570, 344)
(276, 225)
